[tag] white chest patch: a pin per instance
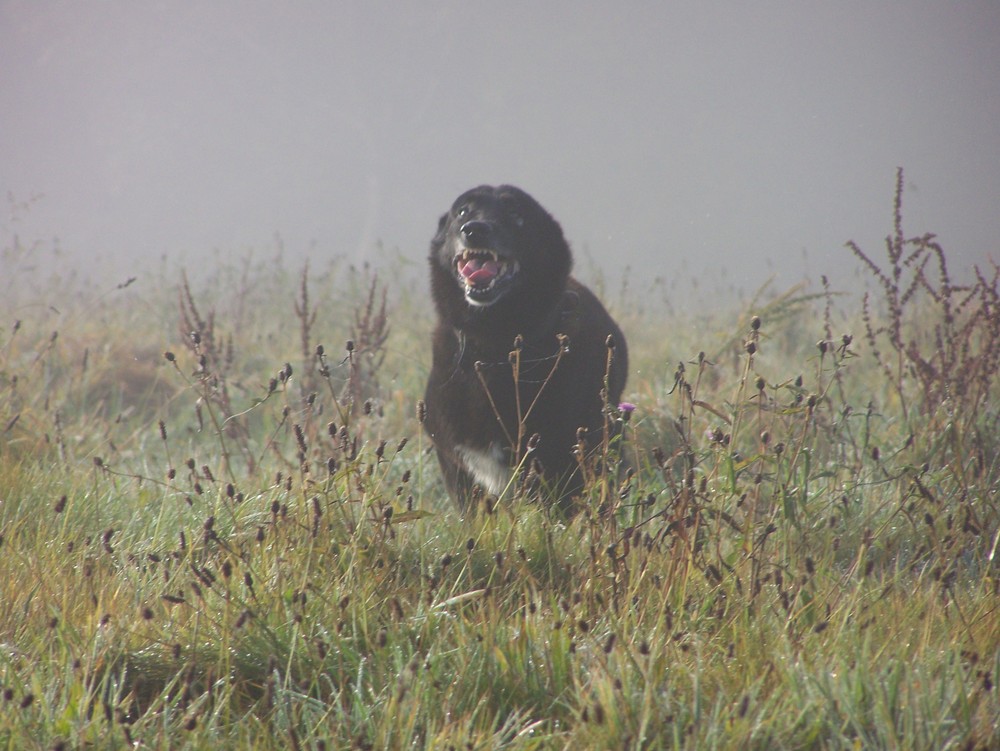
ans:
(488, 468)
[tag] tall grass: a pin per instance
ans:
(220, 524)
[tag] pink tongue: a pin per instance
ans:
(479, 272)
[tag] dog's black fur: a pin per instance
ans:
(500, 269)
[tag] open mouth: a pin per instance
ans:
(485, 273)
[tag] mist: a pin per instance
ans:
(729, 142)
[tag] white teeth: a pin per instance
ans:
(466, 254)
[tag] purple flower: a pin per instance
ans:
(625, 409)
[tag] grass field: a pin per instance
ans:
(222, 527)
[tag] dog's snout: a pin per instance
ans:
(476, 234)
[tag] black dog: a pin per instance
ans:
(509, 312)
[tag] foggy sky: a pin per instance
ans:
(729, 141)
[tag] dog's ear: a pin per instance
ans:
(569, 314)
(442, 224)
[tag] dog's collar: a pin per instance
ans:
(564, 319)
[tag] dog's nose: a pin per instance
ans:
(476, 234)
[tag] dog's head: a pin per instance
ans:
(498, 247)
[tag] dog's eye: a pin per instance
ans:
(516, 219)
(462, 210)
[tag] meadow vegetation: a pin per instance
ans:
(222, 526)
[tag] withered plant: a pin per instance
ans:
(366, 347)
(936, 341)
(353, 380)
(214, 355)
